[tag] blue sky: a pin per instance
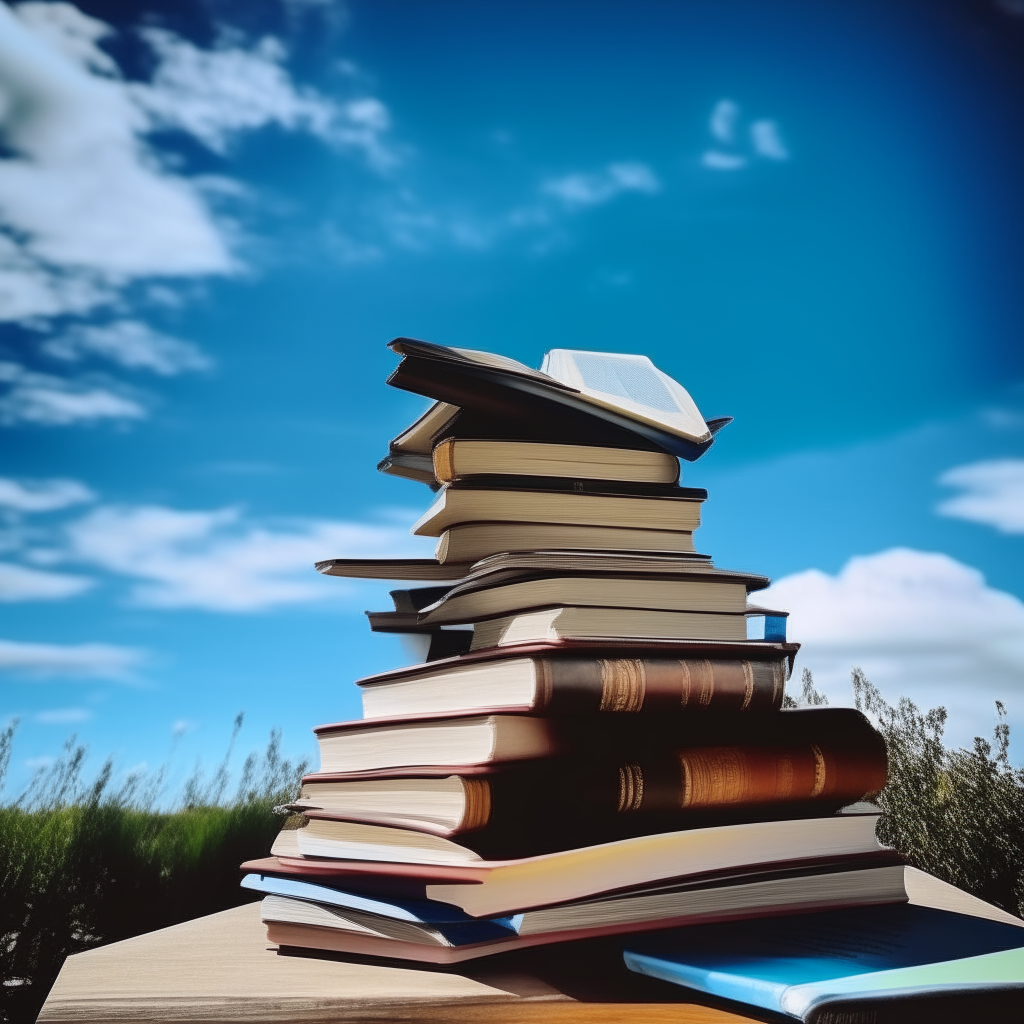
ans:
(214, 215)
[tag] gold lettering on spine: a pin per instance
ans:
(623, 685)
(684, 682)
(477, 796)
(778, 683)
(544, 685)
(631, 787)
(697, 683)
(713, 777)
(784, 776)
(748, 684)
(820, 771)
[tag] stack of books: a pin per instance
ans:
(594, 743)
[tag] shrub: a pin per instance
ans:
(957, 814)
(85, 863)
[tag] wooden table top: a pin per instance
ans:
(222, 969)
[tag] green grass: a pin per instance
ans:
(84, 863)
(87, 862)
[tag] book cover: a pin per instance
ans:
(899, 963)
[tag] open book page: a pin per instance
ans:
(628, 383)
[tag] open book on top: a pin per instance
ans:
(592, 398)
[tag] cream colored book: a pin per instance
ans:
(608, 623)
(363, 746)
(469, 542)
(455, 458)
(611, 592)
(675, 508)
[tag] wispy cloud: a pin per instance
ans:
(920, 624)
(47, 400)
(129, 343)
(80, 193)
(63, 716)
(579, 189)
(20, 583)
(92, 199)
(217, 561)
(42, 495)
(767, 142)
(992, 494)
(82, 661)
(215, 95)
(734, 148)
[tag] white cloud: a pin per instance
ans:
(920, 624)
(46, 400)
(42, 495)
(62, 716)
(767, 141)
(719, 161)
(131, 344)
(86, 204)
(578, 190)
(723, 120)
(81, 192)
(729, 152)
(94, 661)
(993, 494)
(215, 561)
(19, 583)
(216, 94)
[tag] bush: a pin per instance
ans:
(85, 864)
(957, 814)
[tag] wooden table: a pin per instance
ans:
(221, 969)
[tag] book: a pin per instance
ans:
(643, 405)
(469, 542)
(407, 607)
(430, 869)
(492, 596)
(324, 924)
(448, 742)
(458, 458)
(898, 963)
(363, 746)
(427, 569)
(661, 508)
(571, 684)
(590, 799)
(410, 453)
(607, 623)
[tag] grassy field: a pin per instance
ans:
(86, 862)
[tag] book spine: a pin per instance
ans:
(633, 685)
(708, 778)
(676, 787)
(444, 461)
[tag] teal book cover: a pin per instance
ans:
(868, 965)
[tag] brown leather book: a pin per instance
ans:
(570, 685)
(657, 779)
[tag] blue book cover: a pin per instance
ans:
(860, 966)
(457, 927)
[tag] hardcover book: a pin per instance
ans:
(549, 683)
(619, 400)
(327, 923)
(427, 867)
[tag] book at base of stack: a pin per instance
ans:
(595, 744)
